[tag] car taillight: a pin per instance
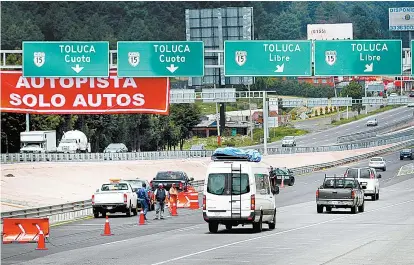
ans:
(93, 199)
(252, 203)
(181, 185)
(371, 176)
(317, 193)
(353, 194)
(346, 175)
(125, 198)
(151, 184)
(204, 202)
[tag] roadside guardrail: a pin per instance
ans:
(79, 209)
(375, 131)
(160, 155)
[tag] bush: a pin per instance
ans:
(320, 111)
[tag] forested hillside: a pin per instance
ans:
(114, 21)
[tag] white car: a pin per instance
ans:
(289, 141)
(372, 122)
(238, 192)
(368, 179)
(113, 197)
(378, 163)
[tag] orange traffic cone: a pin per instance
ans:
(107, 229)
(174, 209)
(282, 183)
(41, 242)
(141, 218)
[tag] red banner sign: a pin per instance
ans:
(84, 95)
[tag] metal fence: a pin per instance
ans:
(96, 157)
(374, 132)
(79, 209)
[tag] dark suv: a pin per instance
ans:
(407, 153)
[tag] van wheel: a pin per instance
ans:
(95, 214)
(103, 214)
(213, 227)
(229, 227)
(258, 227)
(377, 196)
(319, 208)
(362, 207)
(135, 211)
(273, 225)
(373, 197)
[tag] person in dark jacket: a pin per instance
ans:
(144, 199)
(161, 196)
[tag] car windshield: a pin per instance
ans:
(376, 159)
(219, 184)
(68, 141)
(288, 138)
(169, 175)
(406, 150)
(135, 183)
(115, 186)
(115, 146)
(339, 183)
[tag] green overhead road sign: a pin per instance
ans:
(65, 59)
(160, 58)
(267, 58)
(358, 57)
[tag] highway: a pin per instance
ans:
(383, 234)
(329, 136)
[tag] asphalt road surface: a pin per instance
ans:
(383, 234)
(329, 136)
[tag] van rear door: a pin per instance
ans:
(228, 195)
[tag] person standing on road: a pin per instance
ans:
(144, 199)
(173, 194)
(160, 199)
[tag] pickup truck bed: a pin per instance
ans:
(334, 194)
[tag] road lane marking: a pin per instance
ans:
(406, 170)
(273, 234)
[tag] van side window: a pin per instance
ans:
(262, 182)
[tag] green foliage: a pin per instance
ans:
(355, 91)
(321, 111)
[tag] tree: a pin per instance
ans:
(354, 90)
(185, 117)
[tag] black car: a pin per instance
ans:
(285, 174)
(407, 153)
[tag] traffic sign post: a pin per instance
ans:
(358, 57)
(65, 59)
(412, 60)
(160, 58)
(267, 58)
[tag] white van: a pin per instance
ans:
(236, 192)
(368, 178)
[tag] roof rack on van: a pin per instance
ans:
(234, 154)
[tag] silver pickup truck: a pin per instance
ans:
(340, 192)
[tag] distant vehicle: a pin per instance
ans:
(113, 197)
(289, 141)
(340, 192)
(411, 95)
(137, 184)
(74, 142)
(368, 178)
(116, 148)
(407, 153)
(285, 174)
(410, 105)
(197, 147)
(393, 95)
(38, 142)
(238, 192)
(167, 178)
(378, 163)
(372, 122)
